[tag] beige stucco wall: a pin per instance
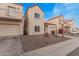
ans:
(51, 28)
(32, 21)
(77, 31)
(70, 24)
(4, 10)
(56, 21)
(7, 22)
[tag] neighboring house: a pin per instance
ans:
(11, 19)
(34, 21)
(69, 26)
(50, 28)
(57, 22)
(77, 30)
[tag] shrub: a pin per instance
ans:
(60, 31)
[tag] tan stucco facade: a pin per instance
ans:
(50, 28)
(69, 25)
(31, 21)
(11, 24)
(58, 21)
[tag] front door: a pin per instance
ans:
(53, 32)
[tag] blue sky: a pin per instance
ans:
(68, 10)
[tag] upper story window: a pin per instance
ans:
(37, 15)
(11, 11)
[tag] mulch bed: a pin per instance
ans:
(32, 42)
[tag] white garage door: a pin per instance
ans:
(6, 30)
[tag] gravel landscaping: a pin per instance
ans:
(31, 42)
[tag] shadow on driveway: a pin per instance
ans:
(74, 52)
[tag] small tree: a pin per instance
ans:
(60, 31)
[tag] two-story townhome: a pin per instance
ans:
(11, 19)
(57, 24)
(34, 21)
(69, 26)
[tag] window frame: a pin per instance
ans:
(9, 11)
(37, 15)
(37, 28)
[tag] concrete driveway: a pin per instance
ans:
(59, 49)
(74, 52)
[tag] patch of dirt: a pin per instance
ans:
(32, 42)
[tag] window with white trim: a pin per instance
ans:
(11, 11)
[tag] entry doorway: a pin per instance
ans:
(52, 32)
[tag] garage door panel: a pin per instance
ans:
(6, 30)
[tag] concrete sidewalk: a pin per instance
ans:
(59, 49)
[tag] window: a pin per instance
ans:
(11, 11)
(37, 28)
(37, 15)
